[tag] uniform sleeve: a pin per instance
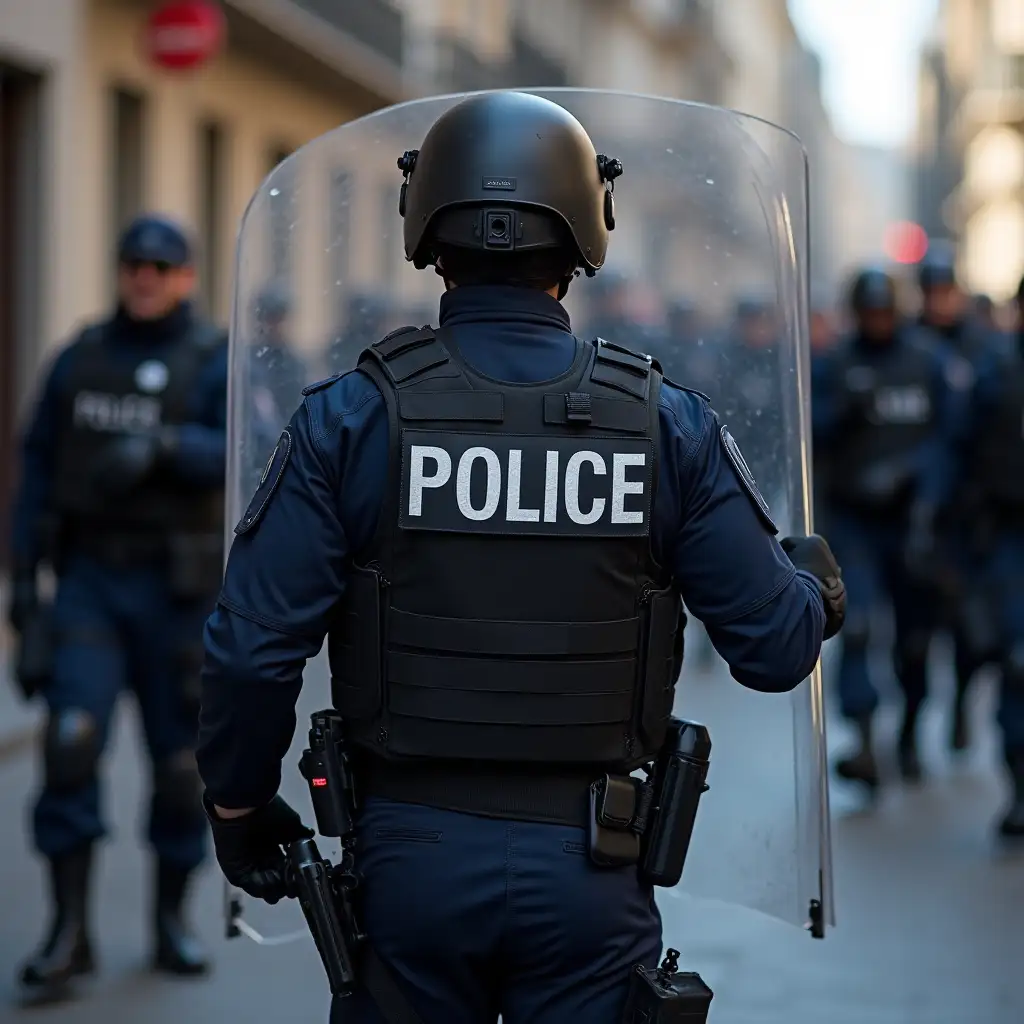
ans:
(38, 453)
(284, 577)
(201, 448)
(765, 619)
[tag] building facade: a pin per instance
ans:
(970, 146)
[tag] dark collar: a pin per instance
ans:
(502, 303)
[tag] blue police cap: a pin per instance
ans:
(153, 239)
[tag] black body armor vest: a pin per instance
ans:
(107, 396)
(999, 459)
(894, 407)
(510, 610)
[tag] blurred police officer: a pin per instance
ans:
(996, 451)
(278, 366)
(475, 767)
(124, 458)
(887, 410)
(946, 311)
(752, 353)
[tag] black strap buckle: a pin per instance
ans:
(577, 407)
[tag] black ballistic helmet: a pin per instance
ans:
(507, 172)
(872, 289)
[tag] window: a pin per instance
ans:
(211, 211)
(127, 168)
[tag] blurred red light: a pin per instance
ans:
(905, 242)
(318, 782)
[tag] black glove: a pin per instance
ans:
(812, 554)
(249, 848)
(126, 462)
(24, 598)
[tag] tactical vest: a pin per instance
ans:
(510, 609)
(877, 453)
(108, 394)
(999, 458)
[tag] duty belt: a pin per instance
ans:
(556, 796)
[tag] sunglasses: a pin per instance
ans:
(160, 266)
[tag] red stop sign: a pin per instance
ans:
(184, 34)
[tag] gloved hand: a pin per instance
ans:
(125, 462)
(249, 848)
(812, 554)
(24, 597)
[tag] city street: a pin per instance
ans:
(930, 915)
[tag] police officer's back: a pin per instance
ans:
(481, 500)
(121, 493)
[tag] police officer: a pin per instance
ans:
(996, 450)
(124, 459)
(515, 570)
(946, 312)
(278, 368)
(887, 410)
(752, 353)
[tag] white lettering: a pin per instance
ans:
(418, 480)
(116, 413)
(572, 488)
(462, 482)
(514, 513)
(551, 488)
(621, 487)
(908, 405)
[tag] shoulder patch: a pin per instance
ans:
(268, 484)
(321, 384)
(746, 478)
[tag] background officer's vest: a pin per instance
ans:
(877, 453)
(107, 395)
(999, 459)
(512, 609)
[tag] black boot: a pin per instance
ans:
(1012, 825)
(906, 748)
(67, 952)
(861, 766)
(178, 951)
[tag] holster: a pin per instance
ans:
(617, 819)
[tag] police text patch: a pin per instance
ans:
(746, 478)
(526, 484)
(271, 477)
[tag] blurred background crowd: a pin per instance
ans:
(913, 125)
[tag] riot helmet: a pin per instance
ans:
(873, 304)
(508, 173)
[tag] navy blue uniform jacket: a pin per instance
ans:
(285, 576)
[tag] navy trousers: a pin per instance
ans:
(871, 553)
(1004, 573)
(477, 917)
(117, 630)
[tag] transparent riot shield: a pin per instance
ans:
(711, 216)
